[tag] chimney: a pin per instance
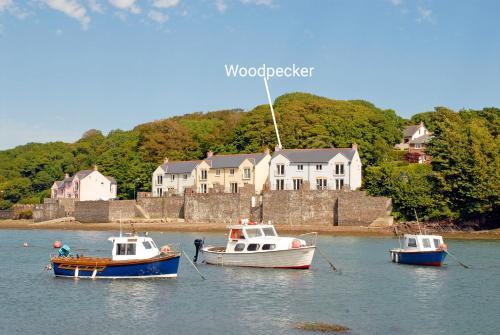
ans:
(277, 148)
(267, 151)
(66, 175)
(95, 167)
(210, 154)
(355, 146)
(165, 161)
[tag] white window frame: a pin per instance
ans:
(339, 169)
(300, 167)
(321, 183)
(203, 188)
(204, 175)
(339, 183)
(280, 184)
(319, 167)
(245, 176)
(233, 187)
(217, 173)
(298, 183)
(172, 177)
(231, 172)
(280, 169)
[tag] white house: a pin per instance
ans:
(412, 133)
(174, 177)
(334, 168)
(85, 185)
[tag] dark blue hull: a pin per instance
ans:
(430, 258)
(163, 267)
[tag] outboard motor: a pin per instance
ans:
(198, 244)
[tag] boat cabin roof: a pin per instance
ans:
(133, 247)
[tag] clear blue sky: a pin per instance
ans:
(70, 65)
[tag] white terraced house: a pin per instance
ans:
(85, 185)
(174, 177)
(331, 169)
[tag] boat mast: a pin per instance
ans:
(272, 113)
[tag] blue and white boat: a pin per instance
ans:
(132, 257)
(420, 250)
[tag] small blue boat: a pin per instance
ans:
(420, 250)
(132, 257)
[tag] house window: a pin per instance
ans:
(217, 172)
(319, 167)
(418, 146)
(234, 187)
(185, 177)
(300, 167)
(172, 177)
(280, 184)
(339, 168)
(159, 191)
(203, 174)
(321, 184)
(203, 188)
(297, 183)
(339, 183)
(231, 172)
(159, 180)
(246, 173)
(280, 169)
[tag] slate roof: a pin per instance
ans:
(421, 139)
(314, 155)
(180, 167)
(111, 179)
(233, 161)
(83, 173)
(410, 130)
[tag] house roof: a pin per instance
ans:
(410, 130)
(421, 139)
(314, 155)
(233, 161)
(83, 173)
(180, 167)
(111, 179)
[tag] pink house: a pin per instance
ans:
(85, 185)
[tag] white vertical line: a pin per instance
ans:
(272, 112)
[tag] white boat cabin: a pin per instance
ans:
(423, 242)
(133, 247)
(258, 238)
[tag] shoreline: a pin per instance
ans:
(212, 227)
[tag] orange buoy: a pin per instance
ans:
(57, 244)
(295, 244)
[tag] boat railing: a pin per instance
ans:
(309, 238)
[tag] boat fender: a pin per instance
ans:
(57, 244)
(295, 244)
(252, 223)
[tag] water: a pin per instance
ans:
(370, 296)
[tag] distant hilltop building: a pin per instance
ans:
(85, 185)
(322, 169)
(415, 139)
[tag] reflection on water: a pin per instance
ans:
(371, 296)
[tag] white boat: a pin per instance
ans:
(258, 245)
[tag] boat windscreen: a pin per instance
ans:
(269, 231)
(253, 232)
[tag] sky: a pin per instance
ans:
(67, 66)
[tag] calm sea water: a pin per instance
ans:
(371, 295)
